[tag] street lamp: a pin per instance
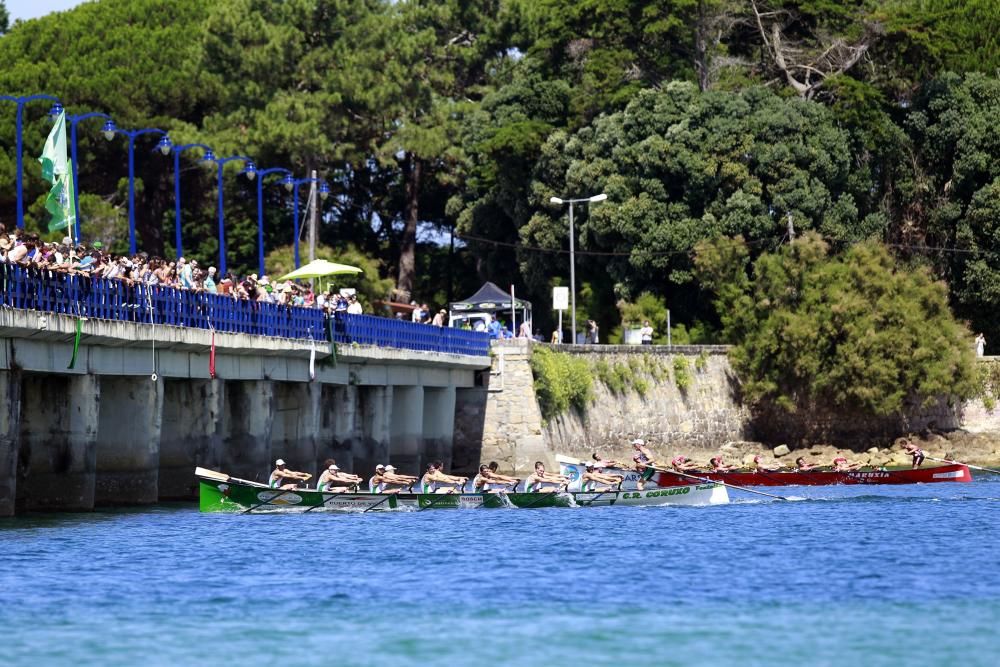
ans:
(164, 145)
(21, 101)
(73, 122)
(251, 171)
(293, 185)
(177, 190)
(261, 174)
(572, 252)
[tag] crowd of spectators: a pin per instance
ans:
(28, 250)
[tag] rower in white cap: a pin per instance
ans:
(393, 482)
(337, 481)
(282, 477)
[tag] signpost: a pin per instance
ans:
(560, 302)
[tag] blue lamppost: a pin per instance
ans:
(163, 145)
(261, 174)
(21, 101)
(177, 189)
(293, 185)
(251, 171)
(73, 122)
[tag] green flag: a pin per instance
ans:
(57, 168)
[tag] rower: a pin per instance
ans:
(914, 451)
(600, 462)
(435, 481)
(488, 480)
(375, 482)
(719, 466)
(841, 464)
(543, 481)
(805, 466)
(394, 483)
(683, 464)
(591, 478)
(334, 480)
(644, 462)
(760, 467)
(283, 478)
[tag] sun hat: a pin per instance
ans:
(389, 468)
(380, 467)
(279, 462)
(333, 466)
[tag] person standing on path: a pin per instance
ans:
(646, 333)
(980, 345)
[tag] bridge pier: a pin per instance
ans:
(191, 434)
(296, 422)
(439, 424)
(340, 425)
(406, 449)
(248, 418)
(128, 441)
(10, 426)
(375, 410)
(57, 456)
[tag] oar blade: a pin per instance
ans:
(211, 474)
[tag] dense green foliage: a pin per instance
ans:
(561, 381)
(862, 120)
(855, 332)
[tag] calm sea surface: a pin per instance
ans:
(847, 576)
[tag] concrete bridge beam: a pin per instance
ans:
(406, 450)
(10, 426)
(191, 434)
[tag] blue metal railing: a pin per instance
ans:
(31, 288)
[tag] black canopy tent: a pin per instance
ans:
(492, 300)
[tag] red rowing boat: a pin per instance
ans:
(945, 473)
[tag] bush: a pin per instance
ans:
(701, 362)
(561, 380)
(682, 373)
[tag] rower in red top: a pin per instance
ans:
(915, 452)
(719, 466)
(683, 464)
(841, 464)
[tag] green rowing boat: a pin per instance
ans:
(219, 492)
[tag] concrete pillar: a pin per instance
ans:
(10, 426)
(340, 425)
(375, 408)
(439, 424)
(470, 422)
(248, 418)
(57, 458)
(191, 434)
(128, 441)
(407, 445)
(296, 424)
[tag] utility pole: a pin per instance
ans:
(791, 228)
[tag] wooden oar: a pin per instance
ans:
(594, 499)
(269, 500)
(959, 463)
(712, 481)
(435, 502)
(368, 509)
(323, 504)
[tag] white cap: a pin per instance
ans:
(380, 467)
(279, 462)
(638, 441)
(333, 467)
(388, 468)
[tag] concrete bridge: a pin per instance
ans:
(109, 431)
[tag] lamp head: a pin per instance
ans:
(324, 191)
(164, 145)
(597, 198)
(209, 156)
(56, 109)
(109, 129)
(555, 200)
(251, 170)
(288, 182)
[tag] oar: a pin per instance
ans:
(389, 495)
(959, 463)
(712, 481)
(323, 504)
(443, 496)
(269, 500)
(594, 499)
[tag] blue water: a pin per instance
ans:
(847, 576)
